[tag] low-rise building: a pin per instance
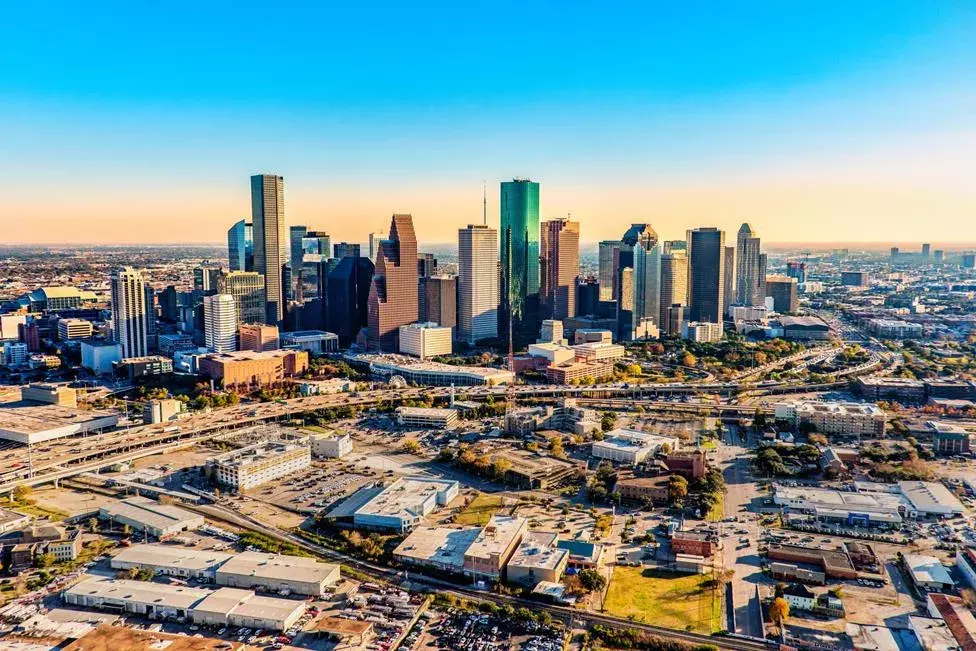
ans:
(169, 560)
(425, 340)
(966, 564)
(958, 617)
(400, 507)
(948, 438)
(248, 368)
(12, 520)
(313, 342)
(841, 418)
(799, 597)
(330, 446)
(553, 353)
(162, 410)
(690, 465)
(221, 607)
(895, 328)
(804, 328)
(630, 446)
(146, 515)
(74, 329)
(890, 388)
(426, 372)
(587, 335)
(701, 331)
(50, 394)
(426, 417)
(928, 573)
(259, 464)
(583, 555)
(29, 422)
(576, 372)
(534, 561)
(278, 573)
(494, 545)
(325, 387)
(100, 357)
(695, 543)
(598, 351)
(643, 489)
(134, 368)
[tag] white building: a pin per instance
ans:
(846, 418)
(477, 283)
(399, 507)
(220, 323)
(433, 373)
(701, 331)
(929, 498)
(74, 329)
(260, 463)
(99, 356)
(278, 573)
(966, 564)
(630, 446)
(863, 509)
(646, 309)
(425, 340)
(554, 353)
(331, 446)
(588, 335)
(15, 353)
(129, 312)
(160, 411)
(748, 313)
(551, 332)
(314, 342)
(426, 418)
(928, 573)
(171, 560)
(598, 351)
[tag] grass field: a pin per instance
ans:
(480, 510)
(677, 601)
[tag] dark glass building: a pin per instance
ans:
(519, 291)
(348, 294)
(706, 275)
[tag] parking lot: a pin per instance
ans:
(460, 631)
(317, 487)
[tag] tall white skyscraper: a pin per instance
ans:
(647, 289)
(749, 270)
(477, 283)
(220, 323)
(674, 288)
(129, 314)
(271, 245)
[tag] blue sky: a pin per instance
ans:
(155, 113)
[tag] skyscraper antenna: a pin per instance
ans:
(484, 202)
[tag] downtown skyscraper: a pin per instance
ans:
(519, 299)
(393, 292)
(220, 323)
(559, 268)
(477, 283)
(271, 250)
(706, 275)
(674, 288)
(749, 269)
(240, 246)
(129, 311)
(608, 255)
(646, 312)
(638, 235)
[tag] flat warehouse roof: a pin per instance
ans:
(167, 555)
(27, 417)
(278, 567)
(172, 596)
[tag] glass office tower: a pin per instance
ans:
(519, 293)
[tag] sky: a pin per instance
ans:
(140, 122)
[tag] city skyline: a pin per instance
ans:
(814, 124)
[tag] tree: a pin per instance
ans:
(779, 610)
(817, 439)
(607, 420)
(93, 524)
(592, 581)
(677, 490)
(126, 531)
(46, 560)
(411, 446)
(22, 493)
(499, 467)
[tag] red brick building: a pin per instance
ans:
(393, 300)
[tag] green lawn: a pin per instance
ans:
(480, 510)
(678, 601)
(718, 510)
(36, 511)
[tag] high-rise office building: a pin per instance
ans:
(205, 278)
(317, 242)
(587, 297)
(240, 246)
(926, 251)
(968, 261)
(748, 279)
(151, 317)
(374, 244)
(559, 268)
(426, 267)
(129, 311)
(296, 235)
(477, 283)
(609, 250)
(348, 296)
(220, 323)
(729, 290)
(797, 270)
(346, 250)
(674, 288)
(638, 235)
(247, 288)
(393, 293)
(440, 301)
(519, 293)
(270, 243)
(706, 275)
(783, 291)
(646, 310)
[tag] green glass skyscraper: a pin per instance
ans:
(519, 293)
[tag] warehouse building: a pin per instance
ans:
(430, 373)
(847, 507)
(630, 446)
(278, 573)
(439, 548)
(183, 562)
(146, 515)
(29, 422)
(928, 573)
(399, 507)
(259, 464)
(221, 607)
(330, 446)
